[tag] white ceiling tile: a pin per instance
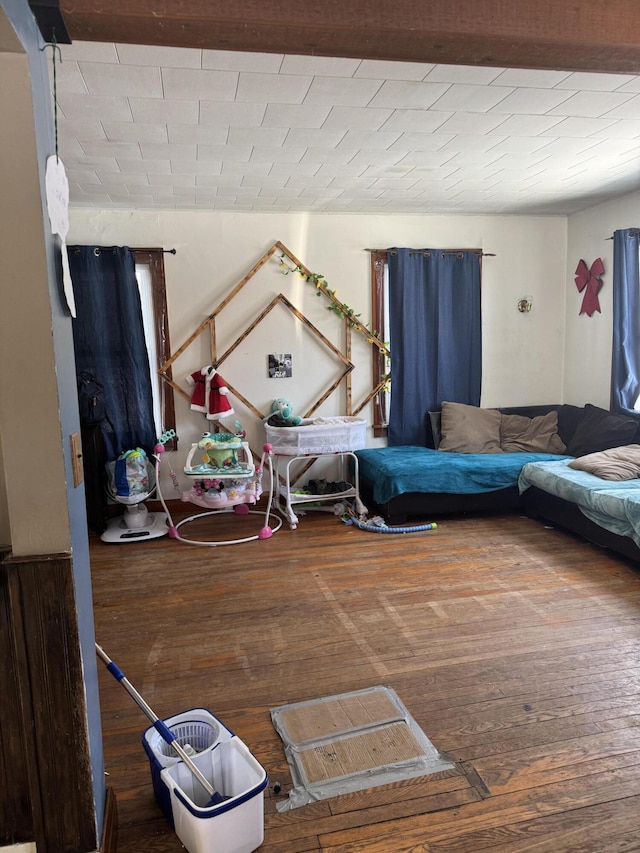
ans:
(356, 118)
(379, 69)
(199, 167)
(474, 74)
(396, 94)
(93, 51)
(526, 125)
(104, 164)
(93, 107)
(239, 168)
(195, 134)
(263, 136)
(596, 82)
(351, 92)
(327, 66)
(70, 149)
(532, 101)
(172, 180)
(294, 115)
(81, 129)
(218, 180)
(189, 84)
(376, 139)
(327, 155)
(308, 182)
(126, 150)
(335, 170)
(231, 114)
(579, 127)
(224, 153)
(267, 181)
(517, 144)
(531, 78)
(155, 111)
(276, 155)
(314, 138)
(163, 57)
(229, 60)
(82, 176)
(166, 151)
(376, 157)
(272, 88)
(128, 131)
(422, 141)
(117, 179)
(629, 110)
(591, 104)
(303, 169)
(471, 143)
(420, 121)
(126, 80)
(622, 129)
(149, 167)
(470, 123)
(68, 78)
(632, 86)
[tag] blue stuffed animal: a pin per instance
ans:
(281, 414)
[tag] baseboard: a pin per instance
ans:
(109, 840)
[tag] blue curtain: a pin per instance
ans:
(625, 362)
(435, 336)
(108, 336)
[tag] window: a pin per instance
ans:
(153, 298)
(380, 324)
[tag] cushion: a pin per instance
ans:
(469, 429)
(530, 435)
(599, 429)
(434, 423)
(618, 463)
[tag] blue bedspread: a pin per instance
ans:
(613, 504)
(396, 470)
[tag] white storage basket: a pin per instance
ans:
(319, 435)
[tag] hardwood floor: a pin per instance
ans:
(515, 647)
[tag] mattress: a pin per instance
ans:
(394, 471)
(612, 504)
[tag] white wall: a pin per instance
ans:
(522, 360)
(588, 339)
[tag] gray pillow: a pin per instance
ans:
(519, 434)
(469, 429)
(619, 463)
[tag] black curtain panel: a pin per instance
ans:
(108, 335)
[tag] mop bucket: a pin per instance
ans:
(196, 730)
(233, 826)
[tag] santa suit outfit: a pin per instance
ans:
(209, 393)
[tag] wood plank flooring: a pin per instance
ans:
(516, 647)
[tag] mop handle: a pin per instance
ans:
(158, 724)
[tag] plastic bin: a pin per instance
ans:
(233, 826)
(197, 728)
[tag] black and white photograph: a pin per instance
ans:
(280, 365)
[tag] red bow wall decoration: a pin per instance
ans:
(589, 280)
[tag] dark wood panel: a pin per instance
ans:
(514, 646)
(16, 822)
(587, 35)
(52, 702)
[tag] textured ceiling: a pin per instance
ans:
(149, 127)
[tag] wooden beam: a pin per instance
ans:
(585, 35)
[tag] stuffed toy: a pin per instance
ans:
(281, 414)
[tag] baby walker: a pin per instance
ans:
(224, 478)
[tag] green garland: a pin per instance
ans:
(340, 308)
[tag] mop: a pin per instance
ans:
(164, 731)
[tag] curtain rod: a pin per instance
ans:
(633, 232)
(100, 249)
(444, 251)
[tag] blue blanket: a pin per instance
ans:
(396, 470)
(613, 504)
